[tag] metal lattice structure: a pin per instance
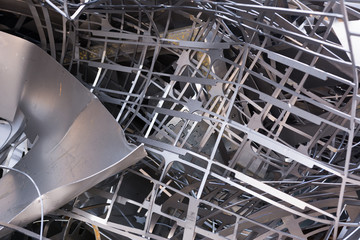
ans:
(248, 111)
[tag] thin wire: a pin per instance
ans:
(38, 191)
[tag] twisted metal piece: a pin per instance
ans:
(248, 111)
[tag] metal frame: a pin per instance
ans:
(248, 111)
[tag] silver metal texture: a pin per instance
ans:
(248, 111)
(65, 119)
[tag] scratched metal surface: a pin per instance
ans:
(248, 111)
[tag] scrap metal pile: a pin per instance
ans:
(247, 110)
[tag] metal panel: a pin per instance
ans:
(78, 143)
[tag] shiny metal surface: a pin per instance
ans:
(248, 111)
(78, 143)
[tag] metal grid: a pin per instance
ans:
(248, 110)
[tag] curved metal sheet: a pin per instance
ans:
(79, 143)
